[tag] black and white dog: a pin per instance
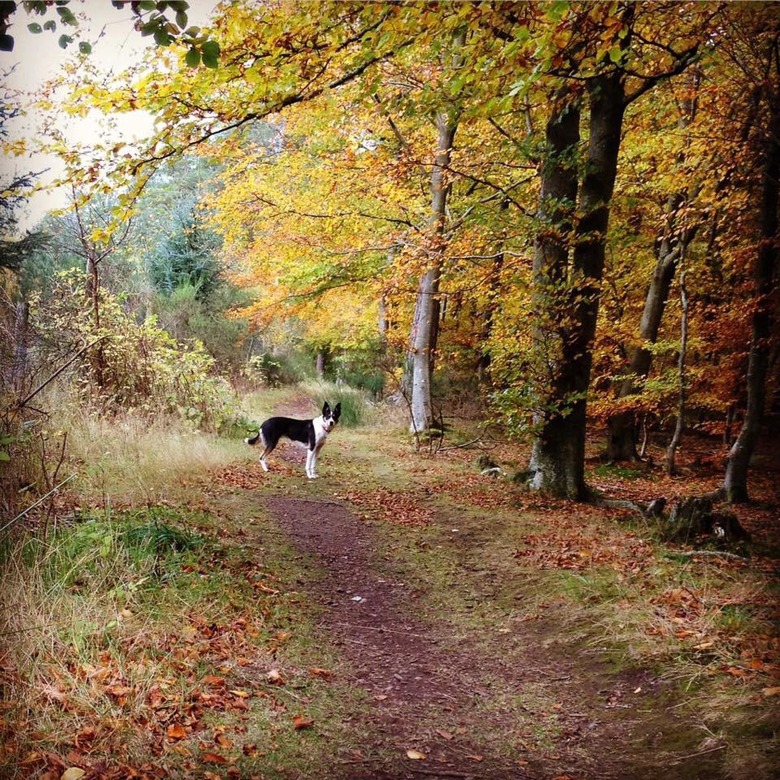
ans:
(312, 433)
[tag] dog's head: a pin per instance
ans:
(330, 416)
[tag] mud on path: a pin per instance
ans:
(444, 698)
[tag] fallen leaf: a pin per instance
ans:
(302, 722)
(176, 731)
(315, 671)
(444, 734)
(213, 758)
(415, 755)
(773, 691)
(275, 677)
(74, 773)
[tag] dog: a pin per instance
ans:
(312, 433)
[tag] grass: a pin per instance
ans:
(128, 461)
(153, 604)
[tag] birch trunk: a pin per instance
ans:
(426, 311)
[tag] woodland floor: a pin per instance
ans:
(426, 685)
(408, 618)
(444, 695)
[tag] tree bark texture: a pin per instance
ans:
(558, 453)
(735, 484)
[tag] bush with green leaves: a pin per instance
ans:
(121, 364)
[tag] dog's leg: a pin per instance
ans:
(311, 464)
(268, 448)
(266, 451)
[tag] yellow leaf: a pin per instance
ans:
(415, 755)
(773, 691)
(74, 773)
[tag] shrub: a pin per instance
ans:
(131, 366)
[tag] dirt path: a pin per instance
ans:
(445, 698)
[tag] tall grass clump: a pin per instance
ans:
(69, 606)
(356, 408)
(129, 459)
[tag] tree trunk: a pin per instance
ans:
(735, 484)
(553, 461)
(671, 452)
(426, 312)
(20, 341)
(558, 453)
(622, 432)
(670, 247)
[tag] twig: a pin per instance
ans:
(30, 396)
(722, 553)
(37, 503)
(388, 630)
(701, 753)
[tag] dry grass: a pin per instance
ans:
(131, 461)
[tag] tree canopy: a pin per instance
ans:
(542, 174)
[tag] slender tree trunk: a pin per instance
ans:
(426, 311)
(622, 432)
(735, 484)
(20, 341)
(558, 453)
(671, 245)
(671, 452)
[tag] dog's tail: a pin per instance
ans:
(253, 439)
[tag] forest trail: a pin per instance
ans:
(442, 702)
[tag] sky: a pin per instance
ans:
(37, 58)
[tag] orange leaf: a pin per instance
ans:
(213, 758)
(773, 691)
(176, 731)
(302, 722)
(315, 671)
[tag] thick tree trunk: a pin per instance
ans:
(553, 463)
(558, 454)
(735, 484)
(425, 327)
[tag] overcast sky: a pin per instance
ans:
(36, 58)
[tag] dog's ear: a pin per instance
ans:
(337, 411)
(325, 409)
